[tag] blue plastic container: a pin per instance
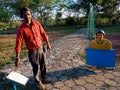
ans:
(100, 58)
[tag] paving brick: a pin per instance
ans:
(78, 88)
(99, 77)
(58, 84)
(90, 86)
(80, 82)
(110, 82)
(90, 79)
(65, 88)
(69, 83)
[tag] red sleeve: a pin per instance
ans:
(43, 33)
(19, 41)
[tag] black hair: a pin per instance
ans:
(22, 10)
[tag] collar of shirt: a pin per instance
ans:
(29, 25)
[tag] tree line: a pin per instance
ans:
(61, 12)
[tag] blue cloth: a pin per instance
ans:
(100, 58)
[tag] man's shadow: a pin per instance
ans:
(71, 73)
(67, 74)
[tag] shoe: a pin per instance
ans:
(40, 85)
(45, 80)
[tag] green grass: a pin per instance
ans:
(82, 56)
(64, 30)
(110, 29)
(7, 51)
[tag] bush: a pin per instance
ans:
(10, 25)
(70, 21)
(101, 21)
(83, 21)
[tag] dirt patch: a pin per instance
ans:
(54, 36)
(115, 39)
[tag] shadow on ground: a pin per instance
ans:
(55, 76)
(72, 73)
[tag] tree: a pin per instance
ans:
(4, 15)
(41, 8)
(58, 18)
(18, 4)
(109, 8)
(5, 11)
(104, 8)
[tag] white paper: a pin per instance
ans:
(17, 77)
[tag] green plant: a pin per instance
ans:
(110, 29)
(82, 56)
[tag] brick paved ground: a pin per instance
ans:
(68, 71)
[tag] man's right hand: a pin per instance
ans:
(17, 62)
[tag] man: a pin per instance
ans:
(100, 42)
(32, 32)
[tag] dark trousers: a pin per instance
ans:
(37, 58)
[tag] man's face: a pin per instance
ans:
(99, 36)
(27, 16)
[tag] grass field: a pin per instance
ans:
(110, 29)
(7, 52)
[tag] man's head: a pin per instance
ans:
(100, 35)
(26, 14)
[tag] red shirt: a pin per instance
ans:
(33, 36)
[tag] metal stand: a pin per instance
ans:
(14, 85)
